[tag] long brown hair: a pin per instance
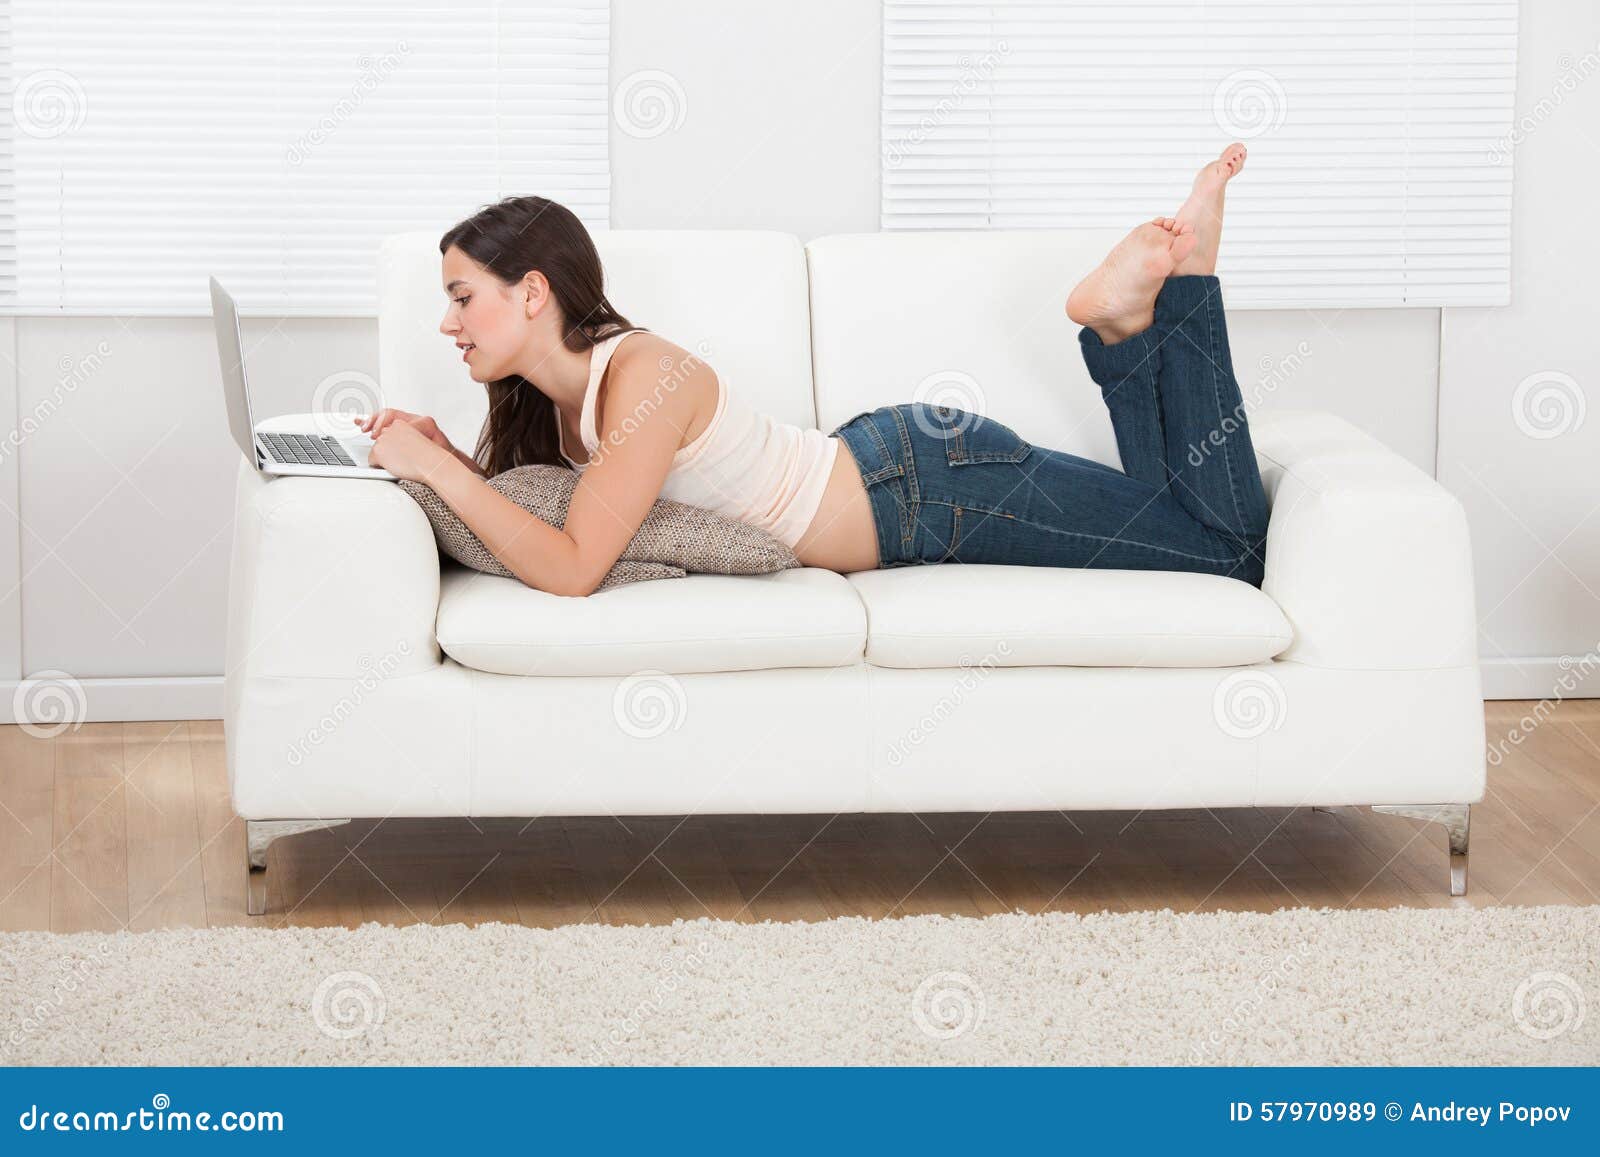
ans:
(509, 238)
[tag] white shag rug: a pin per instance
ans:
(1295, 987)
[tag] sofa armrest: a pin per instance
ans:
(1367, 555)
(330, 578)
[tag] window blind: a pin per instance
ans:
(274, 142)
(1380, 133)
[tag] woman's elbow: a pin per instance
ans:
(569, 586)
(572, 580)
(577, 590)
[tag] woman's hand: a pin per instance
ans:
(376, 424)
(405, 451)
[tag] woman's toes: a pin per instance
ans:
(1183, 245)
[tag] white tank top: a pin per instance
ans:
(746, 465)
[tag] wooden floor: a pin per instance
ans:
(128, 825)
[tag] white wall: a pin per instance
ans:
(1534, 501)
(118, 569)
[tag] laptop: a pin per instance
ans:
(309, 444)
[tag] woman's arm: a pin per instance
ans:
(469, 462)
(639, 432)
(536, 552)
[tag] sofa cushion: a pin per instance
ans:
(802, 617)
(956, 614)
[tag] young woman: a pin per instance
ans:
(904, 484)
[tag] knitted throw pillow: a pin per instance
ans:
(673, 540)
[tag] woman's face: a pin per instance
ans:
(488, 320)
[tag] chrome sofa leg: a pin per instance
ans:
(258, 837)
(1456, 818)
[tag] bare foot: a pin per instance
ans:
(1203, 210)
(1118, 299)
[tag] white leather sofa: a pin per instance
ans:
(365, 678)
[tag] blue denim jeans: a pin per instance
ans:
(947, 485)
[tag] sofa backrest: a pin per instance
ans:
(742, 293)
(969, 319)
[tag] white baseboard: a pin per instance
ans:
(47, 700)
(1542, 677)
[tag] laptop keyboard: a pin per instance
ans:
(306, 449)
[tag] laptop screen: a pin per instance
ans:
(230, 351)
